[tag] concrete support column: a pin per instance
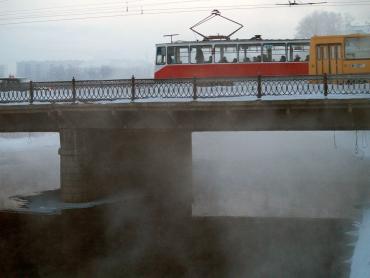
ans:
(74, 172)
(96, 162)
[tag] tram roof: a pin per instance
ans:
(236, 41)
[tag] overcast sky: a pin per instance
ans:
(122, 35)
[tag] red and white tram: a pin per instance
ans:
(232, 58)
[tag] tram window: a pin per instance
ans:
(298, 52)
(249, 53)
(226, 54)
(274, 53)
(177, 55)
(161, 55)
(357, 48)
(201, 54)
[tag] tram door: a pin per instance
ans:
(328, 58)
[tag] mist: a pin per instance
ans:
(279, 174)
(258, 190)
(29, 164)
(264, 174)
(134, 37)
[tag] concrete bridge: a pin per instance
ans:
(138, 142)
(104, 146)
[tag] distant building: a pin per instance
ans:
(3, 70)
(47, 70)
(66, 70)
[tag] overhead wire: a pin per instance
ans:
(116, 5)
(102, 5)
(146, 3)
(174, 9)
(114, 14)
(143, 3)
(140, 11)
(108, 8)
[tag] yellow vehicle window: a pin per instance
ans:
(357, 48)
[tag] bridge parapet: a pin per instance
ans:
(128, 90)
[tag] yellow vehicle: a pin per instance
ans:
(340, 54)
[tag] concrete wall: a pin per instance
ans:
(97, 162)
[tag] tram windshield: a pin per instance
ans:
(161, 55)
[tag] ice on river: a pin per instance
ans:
(29, 163)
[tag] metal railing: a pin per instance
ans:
(160, 89)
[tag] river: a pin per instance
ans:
(295, 223)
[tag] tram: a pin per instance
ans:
(220, 56)
(234, 58)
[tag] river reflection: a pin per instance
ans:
(138, 238)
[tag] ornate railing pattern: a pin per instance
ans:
(155, 89)
(291, 86)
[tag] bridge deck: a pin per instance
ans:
(316, 114)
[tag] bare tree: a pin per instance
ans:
(322, 23)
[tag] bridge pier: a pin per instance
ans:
(97, 162)
(74, 167)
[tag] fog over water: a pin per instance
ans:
(290, 195)
(280, 174)
(29, 164)
(256, 174)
